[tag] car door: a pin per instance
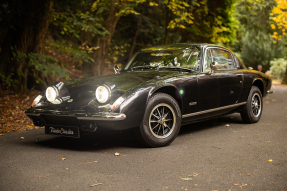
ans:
(229, 76)
(208, 82)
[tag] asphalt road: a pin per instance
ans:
(205, 156)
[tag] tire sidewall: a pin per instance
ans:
(145, 131)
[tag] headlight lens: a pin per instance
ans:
(36, 101)
(103, 94)
(52, 93)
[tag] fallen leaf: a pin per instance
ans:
(273, 99)
(96, 184)
(248, 174)
(270, 160)
(88, 162)
(3, 134)
(242, 185)
(227, 125)
(63, 158)
(192, 175)
(281, 100)
(186, 178)
(267, 102)
(22, 137)
(117, 154)
(285, 107)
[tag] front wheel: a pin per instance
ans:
(161, 122)
(252, 111)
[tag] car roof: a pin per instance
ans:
(179, 46)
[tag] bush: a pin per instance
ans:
(278, 68)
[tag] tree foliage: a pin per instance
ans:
(97, 34)
(256, 41)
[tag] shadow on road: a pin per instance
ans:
(105, 139)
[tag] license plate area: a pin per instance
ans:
(69, 131)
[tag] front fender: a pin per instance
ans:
(135, 104)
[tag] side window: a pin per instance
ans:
(223, 58)
(207, 60)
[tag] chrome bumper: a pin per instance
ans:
(101, 116)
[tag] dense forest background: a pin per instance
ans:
(48, 40)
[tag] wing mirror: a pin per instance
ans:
(214, 66)
(117, 69)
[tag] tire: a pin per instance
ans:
(252, 111)
(161, 122)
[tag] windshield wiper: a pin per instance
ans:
(177, 69)
(141, 67)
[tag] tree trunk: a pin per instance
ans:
(104, 41)
(26, 36)
(136, 35)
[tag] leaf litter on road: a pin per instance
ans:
(118, 154)
(88, 162)
(96, 184)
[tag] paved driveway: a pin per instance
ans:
(210, 155)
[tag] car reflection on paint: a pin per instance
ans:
(157, 91)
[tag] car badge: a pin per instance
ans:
(70, 100)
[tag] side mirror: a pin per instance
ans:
(116, 69)
(214, 66)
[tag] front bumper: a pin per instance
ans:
(101, 116)
(86, 121)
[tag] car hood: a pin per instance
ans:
(122, 81)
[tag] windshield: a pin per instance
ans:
(180, 58)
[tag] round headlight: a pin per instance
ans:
(103, 94)
(52, 93)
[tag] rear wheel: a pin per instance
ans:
(161, 122)
(252, 111)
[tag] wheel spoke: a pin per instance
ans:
(167, 126)
(155, 126)
(156, 116)
(166, 114)
(167, 120)
(158, 112)
(158, 129)
(153, 121)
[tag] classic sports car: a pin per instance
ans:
(157, 91)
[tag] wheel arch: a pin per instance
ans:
(259, 84)
(170, 90)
